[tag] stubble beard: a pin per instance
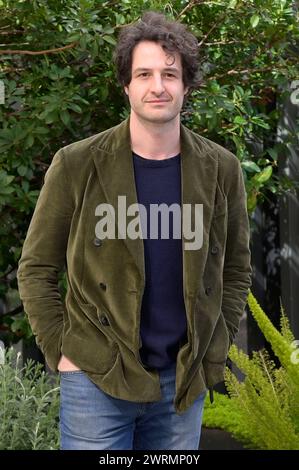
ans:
(156, 119)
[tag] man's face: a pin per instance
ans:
(156, 91)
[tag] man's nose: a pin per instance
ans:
(157, 85)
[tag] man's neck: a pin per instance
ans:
(155, 141)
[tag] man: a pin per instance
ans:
(147, 320)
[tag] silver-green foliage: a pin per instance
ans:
(29, 406)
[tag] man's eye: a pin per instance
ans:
(144, 74)
(170, 75)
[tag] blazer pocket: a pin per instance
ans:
(217, 350)
(214, 361)
(87, 331)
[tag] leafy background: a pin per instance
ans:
(59, 79)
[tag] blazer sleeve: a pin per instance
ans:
(237, 268)
(43, 257)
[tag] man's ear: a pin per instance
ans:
(186, 90)
(126, 90)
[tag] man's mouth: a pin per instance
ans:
(158, 101)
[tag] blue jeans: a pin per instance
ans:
(90, 419)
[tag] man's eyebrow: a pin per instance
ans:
(167, 69)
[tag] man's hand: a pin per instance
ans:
(65, 365)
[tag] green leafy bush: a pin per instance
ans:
(29, 405)
(263, 410)
(59, 78)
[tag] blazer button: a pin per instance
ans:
(97, 242)
(214, 250)
(208, 290)
(103, 286)
(104, 320)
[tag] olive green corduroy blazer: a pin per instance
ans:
(98, 325)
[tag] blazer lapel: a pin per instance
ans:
(114, 164)
(199, 177)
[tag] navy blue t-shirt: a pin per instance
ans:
(163, 323)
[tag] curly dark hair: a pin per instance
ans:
(173, 37)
